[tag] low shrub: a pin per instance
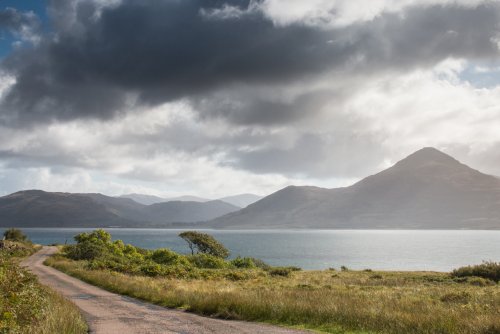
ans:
(461, 297)
(488, 270)
(13, 234)
(243, 262)
(479, 281)
(85, 250)
(260, 264)
(152, 269)
(280, 271)
(207, 261)
(239, 275)
(168, 257)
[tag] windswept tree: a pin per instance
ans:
(204, 243)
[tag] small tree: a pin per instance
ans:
(204, 243)
(98, 235)
(14, 234)
(91, 245)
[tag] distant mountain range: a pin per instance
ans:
(36, 208)
(150, 199)
(426, 190)
(241, 200)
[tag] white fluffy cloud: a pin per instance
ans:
(344, 12)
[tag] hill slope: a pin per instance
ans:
(241, 200)
(184, 212)
(426, 190)
(144, 199)
(36, 208)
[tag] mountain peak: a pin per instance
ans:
(428, 156)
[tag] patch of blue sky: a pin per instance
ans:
(7, 39)
(482, 75)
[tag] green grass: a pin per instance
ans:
(328, 301)
(28, 307)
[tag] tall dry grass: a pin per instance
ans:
(60, 316)
(330, 301)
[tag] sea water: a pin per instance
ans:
(433, 250)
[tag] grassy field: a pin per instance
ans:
(28, 307)
(328, 301)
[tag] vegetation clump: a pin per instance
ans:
(204, 243)
(14, 234)
(486, 270)
(25, 305)
(98, 251)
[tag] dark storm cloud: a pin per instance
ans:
(150, 52)
(250, 108)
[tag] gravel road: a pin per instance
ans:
(109, 313)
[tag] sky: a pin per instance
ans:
(221, 97)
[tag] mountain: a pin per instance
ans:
(187, 198)
(427, 190)
(144, 199)
(36, 208)
(184, 211)
(150, 199)
(242, 200)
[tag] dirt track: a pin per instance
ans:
(108, 313)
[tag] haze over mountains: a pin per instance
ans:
(150, 199)
(426, 190)
(241, 200)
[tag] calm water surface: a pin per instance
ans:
(321, 249)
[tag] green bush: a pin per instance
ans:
(85, 250)
(487, 270)
(243, 262)
(280, 271)
(168, 257)
(152, 269)
(14, 234)
(94, 236)
(207, 261)
(134, 254)
(479, 281)
(260, 264)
